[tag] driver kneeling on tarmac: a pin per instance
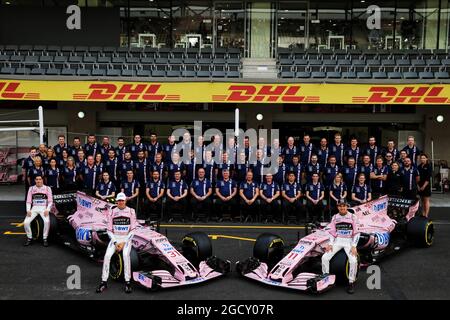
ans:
(344, 234)
(121, 224)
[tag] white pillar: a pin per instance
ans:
(41, 124)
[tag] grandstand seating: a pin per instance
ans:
(322, 64)
(363, 64)
(125, 62)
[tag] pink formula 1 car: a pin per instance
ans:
(79, 221)
(386, 225)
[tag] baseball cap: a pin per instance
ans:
(121, 196)
(342, 202)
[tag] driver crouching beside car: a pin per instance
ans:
(121, 224)
(344, 234)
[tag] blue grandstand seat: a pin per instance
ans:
(441, 75)
(394, 75)
(410, 75)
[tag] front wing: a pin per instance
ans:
(209, 269)
(305, 281)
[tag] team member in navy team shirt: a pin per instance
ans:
(330, 171)
(130, 186)
(361, 192)
(353, 151)
(258, 167)
(27, 164)
(338, 192)
(99, 161)
(392, 149)
(91, 147)
(388, 160)
(199, 150)
(249, 191)
(412, 151)
(372, 150)
(36, 170)
(337, 149)
(323, 152)
(424, 184)
(191, 168)
(262, 145)
(137, 146)
(350, 173)
(159, 166)
(126, 165)
(210, 167)
(270, 193)
(62, 159)
(378, 177)
(142, 170)
(112, 167)
(50, 154)
(401, 159)
(280, 176)
(105, 147)
(120, 149)
(290, 151)
(62, 145)
(315, 193)
(73, 149)
(241, 168)
(312, 167)
(201, 191)
(366, 167)
(226, 164)
(70, 175)
(394, 182)
(106, 190)
(276, 148)
(177, 191)
(154, 147)
(168, 148)
(296, 168)
(90, 176)
(306, 150)
(291, 195)
(226, 190)
(176, 165)
(411, 178)
(53, 176)
(155, 192)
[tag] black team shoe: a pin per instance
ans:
(45, 243)
(28, 242)
(128, 287)
(102, 287)
(351, 288)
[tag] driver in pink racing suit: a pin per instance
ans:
(121, 224)
(344, 234)
(39, 202)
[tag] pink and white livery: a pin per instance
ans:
(378, 228)
(155, 262)
(39, 203)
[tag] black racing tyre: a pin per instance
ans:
(196, 247)
(340, 267)
(37, 227)
(420, 231)
(117, 267)
(269, 248)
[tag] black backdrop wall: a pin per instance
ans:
(47, 26)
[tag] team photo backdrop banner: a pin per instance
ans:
(224, 92)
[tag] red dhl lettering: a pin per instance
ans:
(406, 95)
(265, 93)
(125, 92)
(8, 90)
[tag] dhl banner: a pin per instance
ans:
(224, 92)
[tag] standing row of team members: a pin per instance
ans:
(147, 172)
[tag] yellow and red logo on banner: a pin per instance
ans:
(224, 92)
